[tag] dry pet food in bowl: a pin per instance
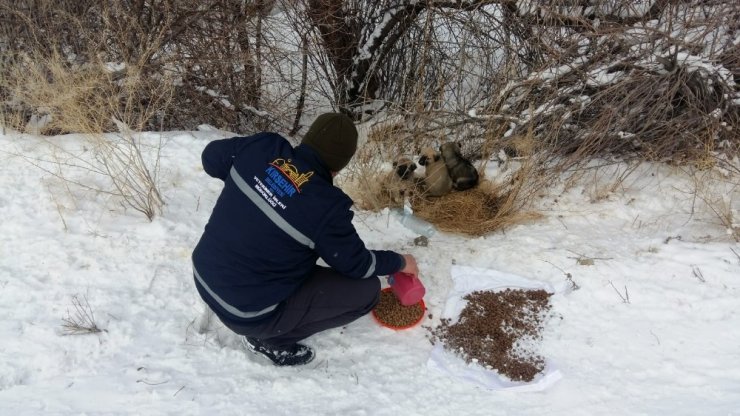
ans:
(392, 314)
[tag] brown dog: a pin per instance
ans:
(437, 180)
(463, 174)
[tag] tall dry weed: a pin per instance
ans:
(109, 106)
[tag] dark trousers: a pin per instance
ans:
(325, 300)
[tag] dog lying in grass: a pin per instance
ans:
(462, 173)
(437, 181)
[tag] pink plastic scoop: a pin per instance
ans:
(407, 288)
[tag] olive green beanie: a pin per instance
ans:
(334, 137)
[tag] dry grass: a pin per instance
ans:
(475, 212)
(369, 193)
(717, 195)
(366, 175)
(81, 320)
(94, 100)
(493, 205)
(84, 98)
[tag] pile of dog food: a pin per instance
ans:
(498, 330)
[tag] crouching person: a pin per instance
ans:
(256, 266)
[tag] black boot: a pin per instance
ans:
(296, 354)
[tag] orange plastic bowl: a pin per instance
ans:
(411, 325)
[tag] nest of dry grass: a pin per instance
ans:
(489, 207)
(474, 212)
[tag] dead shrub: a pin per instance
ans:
(217, 52)
(93, 99)
(81, 320)
(84, 98)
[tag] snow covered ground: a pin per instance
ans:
(653, 328)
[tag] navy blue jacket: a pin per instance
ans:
(277, 214)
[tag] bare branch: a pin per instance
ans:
(626, 297)
(697, 273)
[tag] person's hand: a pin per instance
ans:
(411, 267)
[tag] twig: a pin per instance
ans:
(180, 389)
(154, 277)
(585, 260)
(568, 276)
(738, 255)
(149, 383)
(324, 363)
(561, 222)
(669, 238)
(698, 274)
(59, 208)
(625, 297)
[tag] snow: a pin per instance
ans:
(552, 73)
(651, 329)
(693, 63)
(115, 66)
(366, 50)
(225, 102)
(601, 77)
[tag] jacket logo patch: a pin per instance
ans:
(285, 177)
